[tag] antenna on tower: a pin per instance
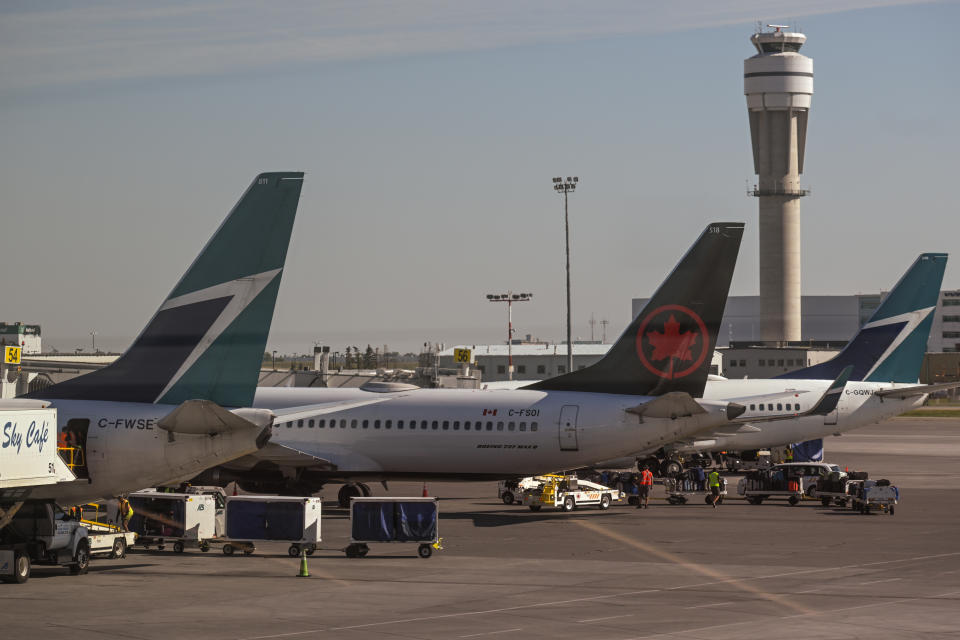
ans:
(603, 330)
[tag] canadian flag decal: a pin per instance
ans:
(489, 412)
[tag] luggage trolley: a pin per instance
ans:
(682, 488)
(758, 486)
(412, 520)
(873, 495)
(179, 518)
(251, 519)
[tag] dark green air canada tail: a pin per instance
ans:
(669, 345)
(208, 338)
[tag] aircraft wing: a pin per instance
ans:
(680, 404)
(771, 397)
(286, 456)
(204, 417)
(910, 392)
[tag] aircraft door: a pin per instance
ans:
(77, 446)
(568, 427)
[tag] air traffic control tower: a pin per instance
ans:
(778, 83)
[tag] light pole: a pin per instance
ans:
(274, 359)
(509, 297)
(566, 187)
(93, 340)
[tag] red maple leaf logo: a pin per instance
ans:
(671, 343)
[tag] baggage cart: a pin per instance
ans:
(681, 490)
(758, 486)
(252, 519)
(834, 488)
(179, 518)
(874, 495)
(410, 520)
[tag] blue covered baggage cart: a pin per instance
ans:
(252, 518)
(412, 520)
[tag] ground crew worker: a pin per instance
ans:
(788, 457)
(124, 512)
(714, 481)
(645, 485)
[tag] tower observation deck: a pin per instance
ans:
(778, 84)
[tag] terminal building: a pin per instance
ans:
(18, 334)
(532, 360)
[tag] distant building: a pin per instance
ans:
(533, 361)
(757, 360)
(25, 336)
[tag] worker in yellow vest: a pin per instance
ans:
(713, 481)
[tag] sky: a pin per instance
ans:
(429, 133)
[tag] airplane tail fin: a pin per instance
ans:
(207, 339)
(891, 345)
(669, 345)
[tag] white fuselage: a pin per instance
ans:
(858, 406)
(469, 433)
(125, 450)
(603, 430)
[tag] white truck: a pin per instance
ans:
(39, 531)
(568, 493)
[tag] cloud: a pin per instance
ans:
(109, 40)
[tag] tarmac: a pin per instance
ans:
(686, 571)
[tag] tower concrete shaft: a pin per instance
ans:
(778, 84)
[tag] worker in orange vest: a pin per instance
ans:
(645, 485)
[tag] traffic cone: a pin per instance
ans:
(425, 494)
(304, 573)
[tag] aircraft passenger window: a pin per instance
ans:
(456, 425)
(446, 425)
(289, 424)
(796, 407)
(523, 426)
(388, 424)
(761, 407)
(466, 426)
(489, 426)
(366, 423)
(770, 407)
(353, 424)
(300, 424)
(321, 423)
(435, 425)
(533, 426)
(376, 424)
(753, 407)
(343, 424)
(310, 423)
(512, 426)
(399, 424)
(779, 407)
(499, 426)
